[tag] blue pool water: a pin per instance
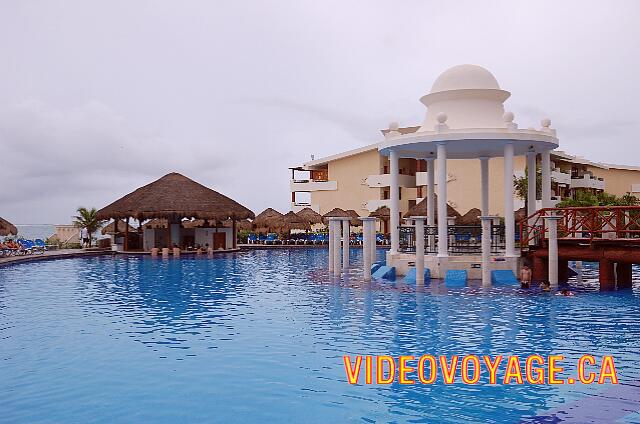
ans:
(259, 337)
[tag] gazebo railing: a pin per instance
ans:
(462, 239)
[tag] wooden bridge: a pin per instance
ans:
(609, 235)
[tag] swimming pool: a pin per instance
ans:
(259, 336)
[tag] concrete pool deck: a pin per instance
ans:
(52, 254)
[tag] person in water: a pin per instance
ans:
(545, 286)
(564, 292)
(525, 277)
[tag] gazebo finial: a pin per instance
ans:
(508, 121)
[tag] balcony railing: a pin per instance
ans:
(587, 181)
(313, 185)
(384, 180)
(462, 239)
(560, 177)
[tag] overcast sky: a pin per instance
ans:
(99, 98)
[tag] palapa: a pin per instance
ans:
(291, 221)
(335, 213)
(174, 197)
(267, 219)
(310, 215)
(472, 217)
(420, 209)
(7, 228)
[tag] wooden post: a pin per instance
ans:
(235, 233)
(126, 234)
(607, 275)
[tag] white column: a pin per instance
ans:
(394, 192)
(431, 198)
(336, 246)
(486, 250)
(509, 218)
(484, 185)
(367, 256)
(531, 183)
(579, 271)
(443, 245)
(418, 222)
(552, 226)
(374, 245)
(345, 243)
(332, 235)
(546, 179)
(531, 187)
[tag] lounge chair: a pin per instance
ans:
(272, 238)
(252, 238)
(26, 247)
(40, 245)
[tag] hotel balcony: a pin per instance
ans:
(560, 177)
(384, 180)
(373, 205)
(313, 185)
(587, 181)
(421, 178)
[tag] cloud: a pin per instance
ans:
(99, 100)
(83, 153)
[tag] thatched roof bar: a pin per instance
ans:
(174, 197)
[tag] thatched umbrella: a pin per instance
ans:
(7, 228)
(472, 217)
(174, 197)
(521, 214)
(291, 221)
(111, 228)
(267, 219)
(382, 212)
(310, 215)
(335, 213)
(420, 209)
(355, 221)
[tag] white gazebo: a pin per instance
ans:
(466, 119)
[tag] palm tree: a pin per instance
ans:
(87, 219)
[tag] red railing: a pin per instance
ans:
(584, 223)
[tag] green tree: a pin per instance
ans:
(88, 219)
(585, 198)
(521, 184)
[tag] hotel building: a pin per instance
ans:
(359, 179)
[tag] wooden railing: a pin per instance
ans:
(583, 223)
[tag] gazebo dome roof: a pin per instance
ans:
(465, 77)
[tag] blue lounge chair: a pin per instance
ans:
(252, 238)
(40, 245)
(26, 246)
(272, 238)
